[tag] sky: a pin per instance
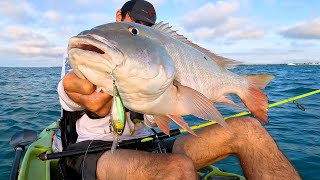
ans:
(35, 33)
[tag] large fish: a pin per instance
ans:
(160, 73)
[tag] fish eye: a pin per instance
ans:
(133, 30)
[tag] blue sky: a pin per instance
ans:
(36, 32)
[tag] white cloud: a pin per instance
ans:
(31, 51)
(157, 2)
(95, 19)
(210, 14)
(21, 41)
(255, 33)
(53, 16)
(23, 34)
(232, 24)
(36, 43)
(15, 33)
(305, 30)
(83, 2)
(216, 20)
(204, 33)
(120, 3)
(16, 10)
(303, 44)
(99, 18)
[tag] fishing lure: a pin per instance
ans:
(118, 113)
(118, 116)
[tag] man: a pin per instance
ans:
(258, 153)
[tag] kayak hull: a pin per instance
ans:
(32, 168)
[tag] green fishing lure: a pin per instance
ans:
(118, 112)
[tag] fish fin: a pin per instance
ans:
(198, 105)
(225, 99)
(255, 100)
(182, 123)
(260, 80)
(224, 62)
(163, 123)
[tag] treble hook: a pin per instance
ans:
(299, 106)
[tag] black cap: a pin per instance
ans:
(140, 10)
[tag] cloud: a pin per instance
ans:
(21, 41)
(304, 44)
(53, 16)
(83, 2)
(305, 30)
(232, 24)
(44, 43)
(21, 34)
(210, 14)
(255, 33)
(120, 3)
(216, 21)
(15, 33)
(16, 10)
(157, 2)
(95, 3)
(31, 51)
(86, 19)
(204, 33)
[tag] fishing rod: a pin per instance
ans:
(293, 99)
(173, 132)
(107, 146)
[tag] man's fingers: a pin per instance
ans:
(104, 110)
(97, 102)
(72, 83)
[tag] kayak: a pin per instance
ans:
(32, 168)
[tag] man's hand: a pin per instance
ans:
(83, 92)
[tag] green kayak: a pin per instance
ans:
(32, 168)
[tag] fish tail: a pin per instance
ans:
(255, 100)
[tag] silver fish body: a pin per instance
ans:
(161, 73)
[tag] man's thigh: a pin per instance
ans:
(213, 143)
(133, 164)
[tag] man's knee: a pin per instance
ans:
(182, 167)
(246, 124)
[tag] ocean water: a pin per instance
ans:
(28, 100)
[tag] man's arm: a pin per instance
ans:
(82, 92)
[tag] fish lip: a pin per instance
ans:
(91, 42)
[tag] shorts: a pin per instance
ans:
(72, 166)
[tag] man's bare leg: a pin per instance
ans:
(259, 155)
(131, 164)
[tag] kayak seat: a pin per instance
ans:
(68, 127)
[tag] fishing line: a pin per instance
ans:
(85, 155)
(113, 144)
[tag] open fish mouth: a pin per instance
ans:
(95, 49)
(91, 43)
(88, 53)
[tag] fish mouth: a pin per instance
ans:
(91, 43)
(94, 53)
